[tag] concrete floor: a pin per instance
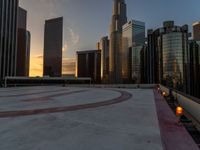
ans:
(129, 125)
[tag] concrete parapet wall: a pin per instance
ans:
(191, 105)
(134, 86)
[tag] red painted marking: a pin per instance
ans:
(124, 97)
(50, 97)
(28, 94)
(173, 136)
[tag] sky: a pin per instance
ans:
(86, 21)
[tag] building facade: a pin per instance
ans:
(133, 35)
(89, 64)
(115, 48)
(193, 67)
(23, 44)
(144, 64)
(167, 55)
(22, 18)
(104, 47)
(193, 63)
(53, 42)
(23, 53)
(153, 56)
(8, 38)
(196, 31)
(135, 69)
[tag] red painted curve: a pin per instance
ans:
(34, 93)
(49, 97)
(125, 96)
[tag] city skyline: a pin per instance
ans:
(77, 27)
(109, 74)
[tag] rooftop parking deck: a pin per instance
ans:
(81, 118)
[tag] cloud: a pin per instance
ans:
(65, 47)
(75, 38)
(36, 69)
(39, 57)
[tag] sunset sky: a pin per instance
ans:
(86, 21)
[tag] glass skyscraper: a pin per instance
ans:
(115, 47)
(196, 31)
(144, 64)
(8, 38)
(167, 55)
(134, 32)
(104, 47)
(173, 57)
(193, 68)
(133, 35)
(89, 64)
(53, 40)
(193, 63)
(23, 44)
(136, 64)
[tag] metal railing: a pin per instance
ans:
(30, 81)
(190, 104)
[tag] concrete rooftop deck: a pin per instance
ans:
(63, 118)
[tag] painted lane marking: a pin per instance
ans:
(50, 97)
(34, 93)
(125, 96)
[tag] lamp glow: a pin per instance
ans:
(179, 111)
(164, 93)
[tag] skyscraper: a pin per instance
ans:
(153, 55)
(193, 69)
(167, 53)
(104, 47)
(8, 35)
(144, 65)
(22, 18)
(134, 32)
(23, 44)
(89, 64)
(133, 36)
(115, 48)
(193, 63)
(196, 31)
(53, 40)
(135, 63)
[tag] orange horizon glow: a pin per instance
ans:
(36, 66)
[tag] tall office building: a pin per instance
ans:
(23, 44)
(174, 55)
(193, 69)
(193, 63)
(196, 31)
(22, 18)
(8, 36)
(167, 55)
(153, 53)
(53, 42)
(115, 48)
(134, 33)
(104, 47)
(144, 64)
(132, 36)
(89, 64)
(135, 62)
